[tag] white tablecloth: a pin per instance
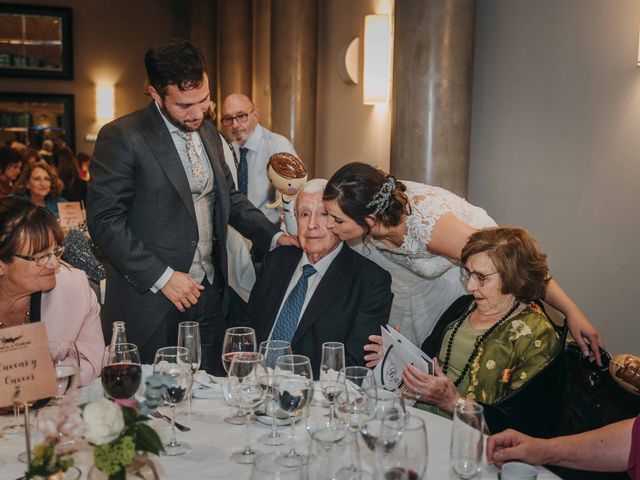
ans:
(213, 441)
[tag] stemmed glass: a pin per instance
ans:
(407, 457)
(332, 361)
(189, 338)
(66, 363)
(271, 351)
(174, 362)
(236, 339)
(466, 439)
(121, 371)
(353, 409)
(248, 390)
(294, 383)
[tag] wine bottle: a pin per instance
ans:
(119, 335)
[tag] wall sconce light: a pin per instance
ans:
(377, 59)
(105, 103)
(348, 62)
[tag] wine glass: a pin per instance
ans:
(175, 364)
(352, 403)
(271, 351)
(66, 362)
(294, 383)
(236, 339)
(189, 338)
(248, 390)
(265, 468)
(329, 452)
(121, 371)
(408, 457)
(332, 360)
(466, 439)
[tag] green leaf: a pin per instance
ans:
(129, 415)
(147, 439)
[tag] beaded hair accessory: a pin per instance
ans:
(381, 199)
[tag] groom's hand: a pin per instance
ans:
(182, 290)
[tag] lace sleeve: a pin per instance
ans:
(428, 204)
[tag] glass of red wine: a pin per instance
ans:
(121, 371)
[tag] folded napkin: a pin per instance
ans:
(206, 386)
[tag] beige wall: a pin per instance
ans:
(347, 130)
(110, 39)
(555, 144)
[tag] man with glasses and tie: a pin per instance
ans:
(159, 204)
(321, 292)
(254, 144)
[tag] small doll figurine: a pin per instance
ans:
(287, 174)
(625, 369)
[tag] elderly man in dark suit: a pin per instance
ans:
(158, 206)
(324, 292)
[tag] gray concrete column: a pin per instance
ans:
(235, 39)
(294, 42)
(432, 81)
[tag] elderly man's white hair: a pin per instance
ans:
(314, 186)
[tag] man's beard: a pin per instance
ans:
(177, 123)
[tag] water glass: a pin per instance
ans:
(175, 364)
(189, 338)
(266, 468)
(271, 351)
(248, 391)
(467, 439)
(294, 384)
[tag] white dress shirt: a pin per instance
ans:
(261, 144)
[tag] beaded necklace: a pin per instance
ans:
(479, 340)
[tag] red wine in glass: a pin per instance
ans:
(121, 380)
(399, 473)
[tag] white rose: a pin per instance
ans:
(103, 421)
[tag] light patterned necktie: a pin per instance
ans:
(287, 321)
(198, 170)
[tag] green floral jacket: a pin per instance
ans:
(514, 353)
(518, 375)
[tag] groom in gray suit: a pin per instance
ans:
(158, 206)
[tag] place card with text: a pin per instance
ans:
(25, 363)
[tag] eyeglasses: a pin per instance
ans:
(43, 259)
(240, 118)
(480, 278)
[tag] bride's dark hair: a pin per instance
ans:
(361, 190)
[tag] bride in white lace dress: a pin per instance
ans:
(417, 232)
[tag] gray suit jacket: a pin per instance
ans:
(141, 214)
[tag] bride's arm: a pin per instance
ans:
(449, 236)
(579, 326)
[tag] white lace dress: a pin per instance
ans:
(424, 284)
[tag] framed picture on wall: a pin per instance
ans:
(36, 42)
(31, 118)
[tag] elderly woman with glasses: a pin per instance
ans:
(493, 345)
(417, 232)
(35, 286)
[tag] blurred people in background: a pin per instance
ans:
(10, 165)
(83, 161)
(75, 188)
(30, 156)
(46, 152)
(40, 184)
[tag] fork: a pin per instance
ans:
(179, 426)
